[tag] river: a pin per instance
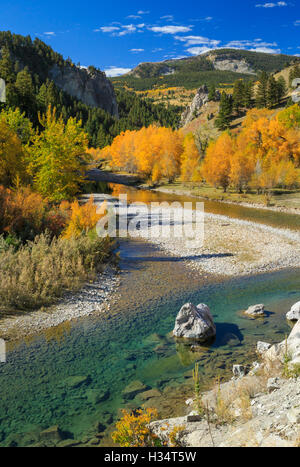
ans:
(133, 341)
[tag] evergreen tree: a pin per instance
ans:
(238, 95)
(225, 112)
(212, 93)
(261, 97)
(272, 92)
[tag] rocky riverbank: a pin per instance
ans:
(231, 247)
(93, 298)
(259, 409)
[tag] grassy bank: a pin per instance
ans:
(41, 271)
(279, 198)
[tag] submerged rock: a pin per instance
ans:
(74, 382)
(134, 388)
(294, 313)
(256, 310)
(195, 322)
(52, 434)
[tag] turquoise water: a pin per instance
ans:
(134, 342)
(114, 350)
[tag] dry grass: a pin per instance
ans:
(232, 401)
(42, 270)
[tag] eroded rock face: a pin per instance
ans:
(294, 313)
(92, 88)
(191, 112)
(195, 322)
(238, 66)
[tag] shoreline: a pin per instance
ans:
(72, 306)
(233, 248)
(188, 192)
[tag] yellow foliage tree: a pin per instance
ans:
(83, 218)
(12, 156)
(58, 157)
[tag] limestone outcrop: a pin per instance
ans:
(87, 85)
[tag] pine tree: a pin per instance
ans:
(225, 112)
(212, 93)
(261, 94)
(272, 92)
(238, 95)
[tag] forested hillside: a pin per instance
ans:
(213, 68)
(25, 65)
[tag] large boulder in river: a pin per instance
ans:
(294, 313)
(195, 322)
(256, 310)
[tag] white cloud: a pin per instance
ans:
(137, 50)
(195, 40)
(170, 29)
(266, 50)
(297, 23)
(198, 50)
(167, 17)
(249, 43)
(271, 5)
(114, 71)
(107, 29)
(51, 33)
(141, 12)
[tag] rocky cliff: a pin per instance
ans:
(238, 66)
(89, 86)
(199, 101)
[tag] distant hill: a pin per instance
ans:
(218, 67)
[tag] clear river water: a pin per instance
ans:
(73, 375)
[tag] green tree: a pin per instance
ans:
(58, 157)
(261, 97)
(225, 112)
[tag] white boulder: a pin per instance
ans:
(294, 313)
(256, 310)
(195, 322)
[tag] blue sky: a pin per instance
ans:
(118, 35)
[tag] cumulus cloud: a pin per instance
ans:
(170, 29)
(167, 17)
(271, 5)
(121, 29)
(107, 29)
(250, 43)
(266, 50)
(198, 50)
(198, 40)
(114, 71)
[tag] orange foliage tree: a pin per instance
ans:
(83, 218)
(265, 153)
(153, 152)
